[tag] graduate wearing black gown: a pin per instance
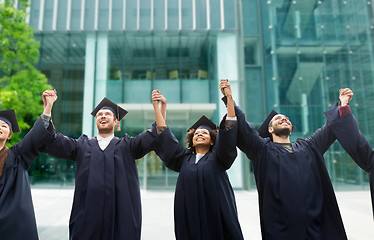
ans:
(296, 197)
(346, 130)
(17, 218)
(204, 203)
(106, 201)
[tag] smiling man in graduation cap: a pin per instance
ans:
(106, 201)
(17, 218)
(296, 197)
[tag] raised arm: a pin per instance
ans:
(160, 115)
(49, 97)
(61, 146)
(57, 145)
(166, 146)
(225, 147)
(248, 139)
(144, 142)
(164, 103)
(324, 137)
(346, 130)
(39, 134)
(225, 88)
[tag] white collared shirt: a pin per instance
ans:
(104, 142)
(232, 118)
(198, 157)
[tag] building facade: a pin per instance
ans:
(291, 56)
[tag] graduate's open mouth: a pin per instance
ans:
(103, 122)
(281, 123)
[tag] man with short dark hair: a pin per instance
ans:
(296, 197)
(17, 218)
(106, 201)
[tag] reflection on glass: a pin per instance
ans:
(311, 51)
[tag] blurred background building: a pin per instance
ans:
(291, 56)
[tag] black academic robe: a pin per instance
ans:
(204, 203)
(17, 218)
(106, 201)
(296, 197)
(348, 134)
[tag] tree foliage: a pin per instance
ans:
(21, 84)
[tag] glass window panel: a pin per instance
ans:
(63, 63)
(35, 13)
(61, 15)
(75, 22)
(159, 14)
(250, 17)
(48, 15)
(254, 90)
(103, 23)
(89, 15)
(187, 14)
(173, 15)
(200, 89)
(201, 22)
(215, 14)
(117, 14)
(230, 15)
(131, 15)
(251, 53)
(145, 15)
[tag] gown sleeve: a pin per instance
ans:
(248, 139)
(170, 151)
(347, 132)
(143, 143)
(225, 147)
(323, 138)
(60, 146)
(30, 146)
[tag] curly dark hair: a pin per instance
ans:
(189, 137)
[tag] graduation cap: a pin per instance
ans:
(9, 116)
(263, 131)
(114, 108)
(205, 123)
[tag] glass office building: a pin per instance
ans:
(291, 56)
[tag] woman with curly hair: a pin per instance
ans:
(204, 203)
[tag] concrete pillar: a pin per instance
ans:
(228, 68)
(95, 78)
(89, 85)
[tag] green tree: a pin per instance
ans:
(21, 83)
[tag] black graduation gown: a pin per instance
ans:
(204, 203)
(347, 132)
(17, 218)
(296, 197)
(106, 201)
